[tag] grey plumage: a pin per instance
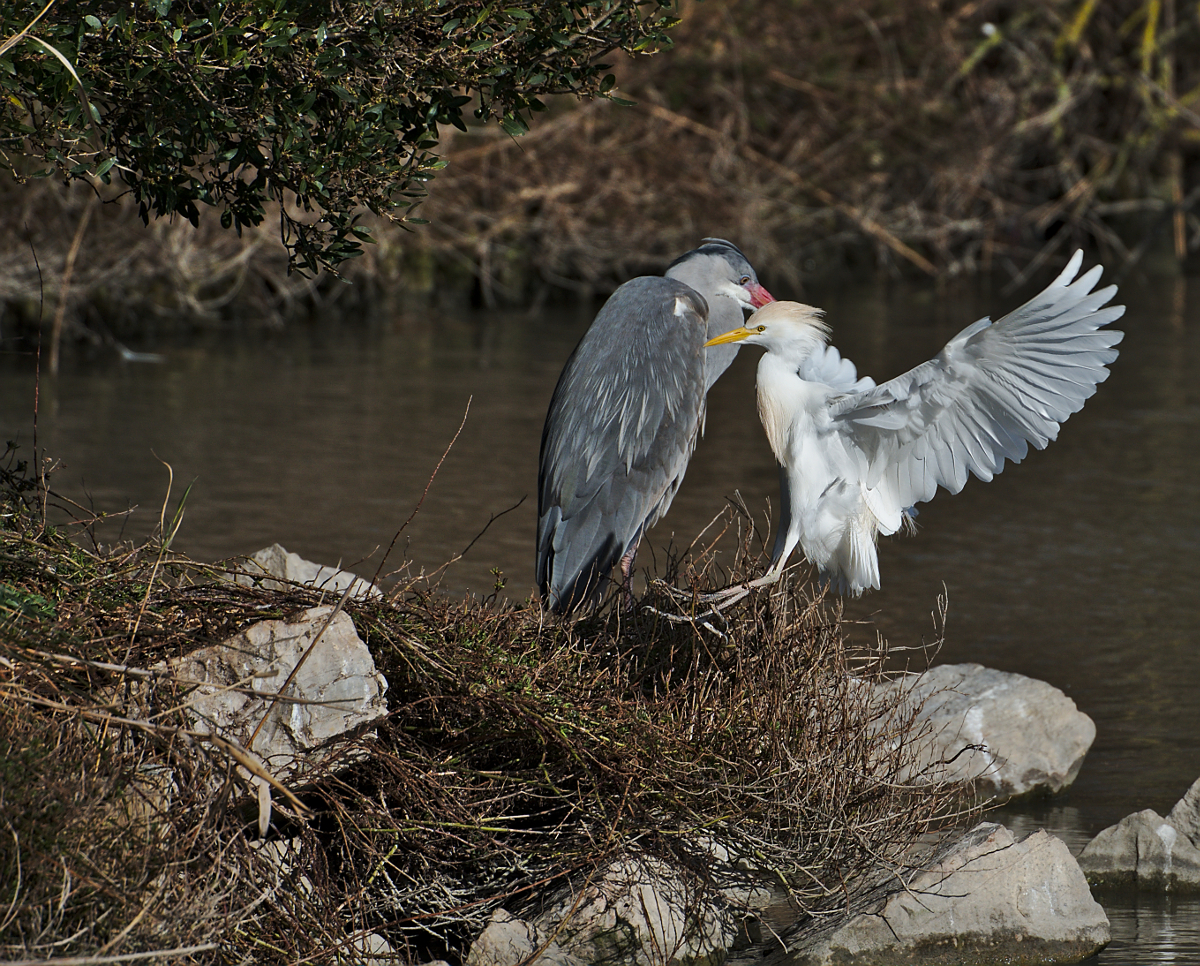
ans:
(625, 415)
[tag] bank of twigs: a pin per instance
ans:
(520, 755)
(930, 138)
(936, 138)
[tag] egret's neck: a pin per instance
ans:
(785, 401)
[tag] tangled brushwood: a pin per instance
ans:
(941, 137)
(519, 759)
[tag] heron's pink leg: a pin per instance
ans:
(627, 572)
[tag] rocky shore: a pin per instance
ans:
(983, 897)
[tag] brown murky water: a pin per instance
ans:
(1081, 566)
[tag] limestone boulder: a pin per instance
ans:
(1185, 816)
(638, 912)
(986, 899)
(274, 566)
(1007, 734)
(1146, 851)
(509, 941)
(235, 685)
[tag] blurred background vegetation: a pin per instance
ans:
(925, 137)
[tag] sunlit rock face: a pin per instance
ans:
(988, 898)
(337, 688)
(1148, 851)
(1007, 734)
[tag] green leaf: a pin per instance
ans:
(514, 125)
(93, 21)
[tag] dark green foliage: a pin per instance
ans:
(322, 108)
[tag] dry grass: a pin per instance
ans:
(924, 137)
(932, 137)
(520, 755)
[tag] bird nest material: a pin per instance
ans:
(520, 755)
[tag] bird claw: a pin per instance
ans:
(717, 602)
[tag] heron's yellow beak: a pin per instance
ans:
(733, 335)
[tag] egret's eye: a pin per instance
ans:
(761, 328)
(744, 280)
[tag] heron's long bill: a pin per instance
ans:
(759, 296)
(733, 335)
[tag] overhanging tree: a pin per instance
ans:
(324, 108)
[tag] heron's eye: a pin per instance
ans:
(744, 280)
(761, 328)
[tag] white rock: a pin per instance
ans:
(276, 561)
(1008, 734)
(1148, 851)
(336, 690)
(988, 899)
(1185, 816)
(509, 941)
(639, 911)
(369, 950)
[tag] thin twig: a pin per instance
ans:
(64, 285)
(429, 483)
(123, 958)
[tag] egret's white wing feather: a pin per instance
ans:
(994, 388)
(826, 366)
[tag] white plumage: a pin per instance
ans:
(857, 457)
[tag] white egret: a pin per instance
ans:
(855, 458)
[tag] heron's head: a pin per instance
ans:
(718, 269)
(789, 327)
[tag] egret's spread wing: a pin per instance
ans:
(826, 366)
(992, 390)
(622, 424)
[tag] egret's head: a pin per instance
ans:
(781, 326)
(717, 268)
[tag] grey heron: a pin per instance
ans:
(855, 457)
(626, 412)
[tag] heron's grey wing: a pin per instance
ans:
(621, 427)
(992, 390)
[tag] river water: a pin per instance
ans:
(1080, 566)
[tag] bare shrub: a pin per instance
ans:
(520, 754)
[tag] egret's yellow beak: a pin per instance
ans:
(733, 335)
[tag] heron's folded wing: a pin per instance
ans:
(994, 388)
(622, 424)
